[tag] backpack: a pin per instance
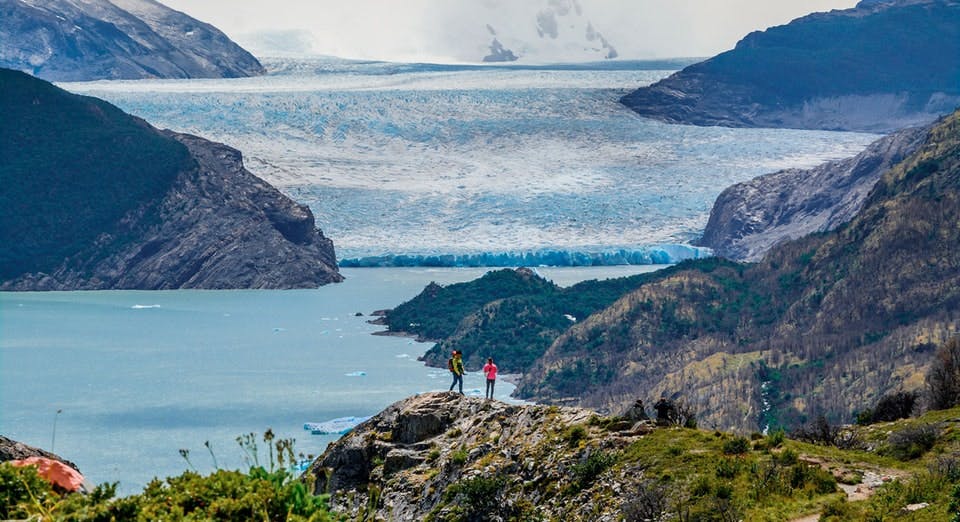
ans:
(450, 364)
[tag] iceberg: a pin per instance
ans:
(336, 426)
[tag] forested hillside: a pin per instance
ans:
(825, 324)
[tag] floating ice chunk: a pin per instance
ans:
(339, 425)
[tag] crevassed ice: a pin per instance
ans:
(422, 161)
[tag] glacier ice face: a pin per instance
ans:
(422, 160)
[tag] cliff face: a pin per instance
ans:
(76, 40)
(749, 218)
(402, 463)
(93, 198)
(878, 67)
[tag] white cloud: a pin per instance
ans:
(455, 30)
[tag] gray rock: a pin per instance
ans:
(13, 450)
(376, 470)
(77, 40)
(220, 227)
(749, 218)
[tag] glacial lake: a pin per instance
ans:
(137, 376)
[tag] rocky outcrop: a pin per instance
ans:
(878, 67)
(401, 463)
(92, 198)
(219, 227)
(76, 40)
(749, 218)
(13, 450)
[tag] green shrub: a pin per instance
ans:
(727, 468)
(459, 457)
(258, 494)
(836, 511)
(575, 434)
(775, 439)
(479, 496)
(736, 446)
(912, 442)
(787, 457)
(585, 472)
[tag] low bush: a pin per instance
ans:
(891, 407)
(912, 442)
(736, 446)
(648, 501)
(479, 497)
(258, 494)
(585, 472)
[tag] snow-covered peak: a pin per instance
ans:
(553, 31)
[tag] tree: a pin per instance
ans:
(943, 378)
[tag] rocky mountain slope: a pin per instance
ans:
(93, 198)
(824, 324)
(76, 40)
(443, 457)
(877, 67)
(749, 218)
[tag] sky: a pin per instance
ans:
(462, 30)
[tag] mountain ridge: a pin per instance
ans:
(785, 76)
(750, 217)
(80, 40)
(94, 198)
(824, 324)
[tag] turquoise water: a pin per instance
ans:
(140, 375)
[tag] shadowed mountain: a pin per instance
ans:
(93, 198)
(877, 67)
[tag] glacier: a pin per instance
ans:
(467, 165)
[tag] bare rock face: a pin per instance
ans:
(77, 40)
(13, 450)
(92, 198)
(219, 227)
(749, 218)
(402, 463)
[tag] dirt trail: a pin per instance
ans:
(873, 477)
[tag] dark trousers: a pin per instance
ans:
(457, 379)
(490, 383)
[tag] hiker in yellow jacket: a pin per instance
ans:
(455, 365)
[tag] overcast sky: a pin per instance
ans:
(456, 30)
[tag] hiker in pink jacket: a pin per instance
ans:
(490, 370)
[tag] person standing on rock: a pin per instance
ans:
(455, 365)
(490, 370)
